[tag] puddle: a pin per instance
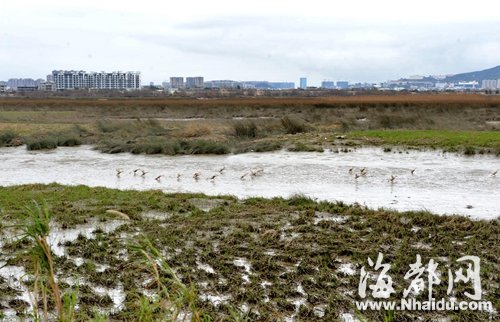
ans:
(117, 295)
(206, 204)
(347, 269)
(205, 267)
(58, 236)
(443, 183)
(156, 215)
(324, 216)
(348, 317)
(243, 262)
(216, 300)
(15, 277)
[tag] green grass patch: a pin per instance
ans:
(431, 138)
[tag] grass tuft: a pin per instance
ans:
(293, 125)
(245, 129)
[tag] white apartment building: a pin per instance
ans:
(194, 82)
(489, 84)
(71, 79)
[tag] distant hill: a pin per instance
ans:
(492, 73)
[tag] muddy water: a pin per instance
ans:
(442, 183)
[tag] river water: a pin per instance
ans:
(443, 183)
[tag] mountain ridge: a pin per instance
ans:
(490, 73)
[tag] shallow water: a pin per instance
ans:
(442, 183)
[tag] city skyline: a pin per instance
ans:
(279, 41)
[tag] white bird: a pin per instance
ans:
(119, 172)
(256, 172)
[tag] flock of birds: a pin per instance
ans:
(363, 172)
(392, 178)
(252, 173)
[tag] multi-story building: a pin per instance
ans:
(303, 82)
(14, 83)
(47, 86)
(489, 84)
(328, 84)
(342, 84)
(177, 82)
(223, 84)
(71, 79)
(3, 87)
(194, 82)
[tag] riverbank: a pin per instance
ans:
(461, 123)
(256, 258)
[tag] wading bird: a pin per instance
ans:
(256, 172)
(179, 176)
(356, 176)
(350, 170)
(159, 177)
(118, 172)
(244, 175)
(494, 174)
(391, 180)
(143, 173)
(413, 171)
(212, 178)
(222, 169)
(136, 170)
(196, 176)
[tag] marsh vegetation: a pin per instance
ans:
(454, 122)
(254, 259)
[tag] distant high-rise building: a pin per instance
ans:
(303, 82)
(14, 83)
(71, 79)
(3, 87)
(489, 84)
(194, 82)
(342, 84)
(177, 82)
(223, 84)
(328, 84)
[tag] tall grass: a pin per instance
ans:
(6, 138)
(37, 229)
(245, 129)
(293, 125)
(162, 145)
(52, 141)
(135, 127)
(175, 301)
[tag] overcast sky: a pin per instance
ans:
(276, 40)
